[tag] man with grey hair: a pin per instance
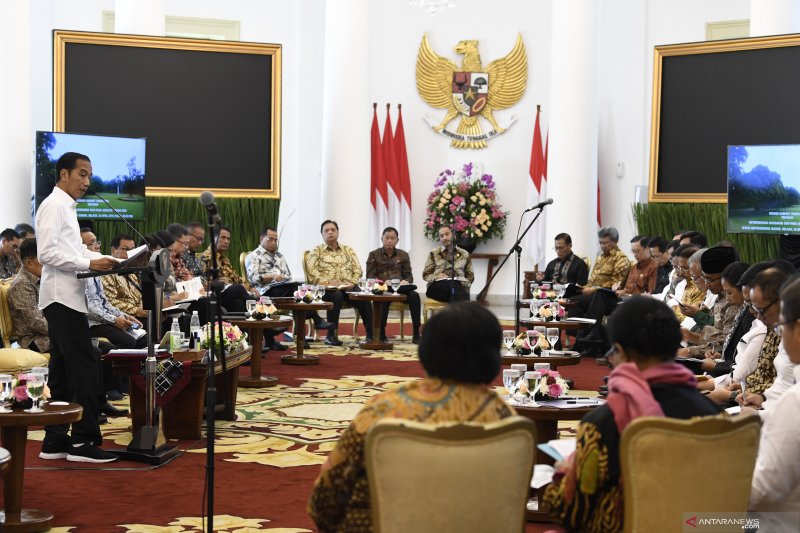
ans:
(611, 267)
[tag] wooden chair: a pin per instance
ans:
(401, 308)
(430, 306)
(6, 325)
(449, 477)
(243, 267)
(344, 306)
(663, 458)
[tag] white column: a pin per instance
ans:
(346, 118)
(16, 136)
(572, 158)
(774, 17)
(140, 17)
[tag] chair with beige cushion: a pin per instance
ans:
(663, 458)
(430, 306)
(449, 477)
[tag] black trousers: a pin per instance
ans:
(117, 337)
(446, 290)
(414, 307)
(339, 298)
(74, 374)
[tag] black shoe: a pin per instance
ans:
(110, 410)
(278, 347)
(331, 340)
(322, 324)
(52, 450)
(102, 419)
(86, 453)
(369, 339)
(415, 339)
(114, 395)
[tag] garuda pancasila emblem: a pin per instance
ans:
(471, 90)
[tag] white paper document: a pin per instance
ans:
(191, 287)
(542, 475)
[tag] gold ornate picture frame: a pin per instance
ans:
(768, 107)
(63, 40)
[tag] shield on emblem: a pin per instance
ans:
(470, 90)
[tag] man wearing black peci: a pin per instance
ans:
(387, 263)
(62, 297)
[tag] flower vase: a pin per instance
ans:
(467, 243)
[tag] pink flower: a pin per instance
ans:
(453, 208)
(20, 394)
(554, 390)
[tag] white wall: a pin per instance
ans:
(628, 31)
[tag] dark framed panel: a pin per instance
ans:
(709, 95)
(210, 110)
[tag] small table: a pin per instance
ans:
(565, 359)
(494, 259)
(256, 328)
(378, 300)
(562, 325)
(299, 310)
(14, 432)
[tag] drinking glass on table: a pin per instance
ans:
(555, 309)
(250, 307)
(34, 386)
(370, 284)
(533, 338)
(362, 284)
(541, 330)
(534, 291)
(553, 335)
(44, 371)
(395, 283)
(520, 367)
(508, 340)
(5, 392)
(510, 381)
(320, 292)
(534, 379)
(559, 288)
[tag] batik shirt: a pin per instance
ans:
(262, 262)
(764, 375)
(440, 261)
(227, 274)
(8, 266)
(327, 264)
(30, 325)
(193, 262)
(610, 269)
(123, 292)
(724, 319)
(340, 499)
(101, 311)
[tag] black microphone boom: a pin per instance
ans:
(90, 191)
(541, 205)
(207, 199)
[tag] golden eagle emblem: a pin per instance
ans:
(472, 90)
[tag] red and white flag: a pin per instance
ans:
(535, 244)
(394, 199)
(378, 194)
(405, 181)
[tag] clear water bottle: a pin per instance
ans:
(194, 324)
(175, 336)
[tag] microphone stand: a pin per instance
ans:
(518, 249)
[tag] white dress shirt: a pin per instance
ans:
(776, 480)
(747, 352)
(784, 379)
(61, 252)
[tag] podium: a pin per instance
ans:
(148, 444)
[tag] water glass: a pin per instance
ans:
(559, 288)
(541, 330)
(34, 385)
(534, 290)
(320, 292)
(534, 380)
(508, 340)
(370, 284)
(539, 367)
(510, 379)
(553, 334)
(250, 307)
(362, 284)
(43, 371)
(555, 309)
(395, 283)
(533, 337)
(5, 392)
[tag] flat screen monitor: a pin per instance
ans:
(763, 184)
(118, 172)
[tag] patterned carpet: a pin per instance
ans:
(266, 460)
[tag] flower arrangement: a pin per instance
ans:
(263, 310)
(544, 293)
(466, 200)
(523, 346)
(547, 313)
(552, 385)
(233, 338)
(304, 295)
(379, 287)
(19, 392)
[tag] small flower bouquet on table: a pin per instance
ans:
(263, 310)
(304, 295)
(522, 344)
(551, 385)
(379, 287)
(551, 312)
(234, 339)
(20, 399)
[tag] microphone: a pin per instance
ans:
(540, 205)
(207, 199)
(92, 192)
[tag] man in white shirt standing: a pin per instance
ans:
(62, 297)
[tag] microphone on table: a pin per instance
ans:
(541, 205)
(92, 192)
(207, 199)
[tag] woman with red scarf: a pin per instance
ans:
(586, 493)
